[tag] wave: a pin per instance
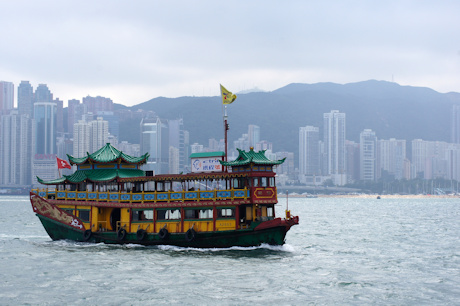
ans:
(278, 248)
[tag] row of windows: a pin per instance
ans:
(175, 214)
(168, 214)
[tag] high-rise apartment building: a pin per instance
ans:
(309, 163)
(89, 136)
(455, 124)
(253, 135)
(352, 151)
(26, 99)
(392, 158)
(431, 159)
(6, 97)
(98, 104)
(367, 154)
(334, 146)
(81, 138)
(112, 119)
(16, 147)
(99, 133)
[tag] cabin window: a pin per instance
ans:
(205, 214)
(270, 212)
(272, 182)
(225, 213)
(198, 213)
(255, 182)
(263, 181)
(169, 214)
(235, 183)
(83, 215)
(143, 215)
(191, 214)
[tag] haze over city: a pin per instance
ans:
(132, 52)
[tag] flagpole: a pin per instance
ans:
(226, 134)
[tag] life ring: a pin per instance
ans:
(121, 234)
(141, 234)
(190, 235)
(87, 235)
(163, 234)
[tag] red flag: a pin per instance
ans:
(62, 164)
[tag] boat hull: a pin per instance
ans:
(222, 239)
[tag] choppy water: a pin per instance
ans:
(345, 251)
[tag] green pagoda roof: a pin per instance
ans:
(108, 154)
(246, 158)
(97, 175)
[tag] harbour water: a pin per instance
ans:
(345, 251)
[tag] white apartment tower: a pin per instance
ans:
(253, 135)
(367, 154)
(334, 146)
(81, 138)
(99, 134)
(309, 151)
(16, 149)
(392, 157)
(89, 136)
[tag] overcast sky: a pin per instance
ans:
(132, 51)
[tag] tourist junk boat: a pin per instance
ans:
(110, 199)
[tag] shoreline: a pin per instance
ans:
(374, 196)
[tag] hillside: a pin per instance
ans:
(391, 110)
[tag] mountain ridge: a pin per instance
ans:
(389, 109)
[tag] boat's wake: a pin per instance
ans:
(277, 248)
(170, 248)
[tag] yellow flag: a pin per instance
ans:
(227, 96)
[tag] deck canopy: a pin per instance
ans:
(105, 165)
(246, 158)
(95, 176)
(108, 154)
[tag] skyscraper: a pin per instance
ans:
(89, 136)
(6, 96)
(45, 127)
(334, 146)
(309, 151)
(179, 140)
(455, 124)
(367, 154)
(253, 135)
(16, 144)
(391, 157)
(43, 94)
(97, 104)
(26, 99)
(71, 106)
(81, 135)
(99, 133)
(155, 140)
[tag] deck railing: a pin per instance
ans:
(144, 197)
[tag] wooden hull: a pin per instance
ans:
(60, 225)
(244, 238)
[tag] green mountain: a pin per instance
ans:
(391, 110)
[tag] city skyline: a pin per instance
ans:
(377, 157)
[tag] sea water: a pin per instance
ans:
(344, 251)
